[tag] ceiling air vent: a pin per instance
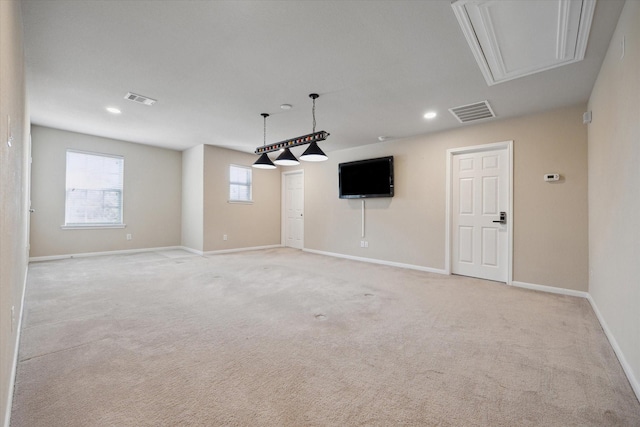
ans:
(139, 99)
(472, 112)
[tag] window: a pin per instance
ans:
(93, 190)
(239, 184)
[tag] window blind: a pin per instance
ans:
(94, 187)
(240, 186)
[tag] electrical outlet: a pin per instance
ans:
(366, 244)
(224, 237)
(9, 133)
(129, 237)
(362, 243)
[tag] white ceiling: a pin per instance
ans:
(214, 66)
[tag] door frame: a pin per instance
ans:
(283, 203)
(508, 145)
(27, 186)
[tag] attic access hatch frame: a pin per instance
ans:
(510, 40)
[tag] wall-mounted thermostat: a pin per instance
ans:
(551, 177)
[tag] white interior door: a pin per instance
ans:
(480, 195)
(293, 209)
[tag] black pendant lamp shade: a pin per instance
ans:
(313, 153)
(286, 158)
(264, 162)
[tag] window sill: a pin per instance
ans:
(241, 202)
(91, 226)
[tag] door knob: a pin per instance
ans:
(503, 218)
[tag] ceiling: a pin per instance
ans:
(215, 66)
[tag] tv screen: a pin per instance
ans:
(366, 178)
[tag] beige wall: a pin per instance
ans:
(246, 225)
(193, 198)
(614, 190)
(14, 193)
(152, 195)
(550, 220)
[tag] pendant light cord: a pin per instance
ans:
(313, 112)
(264, 137)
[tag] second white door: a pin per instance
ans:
(293, 209)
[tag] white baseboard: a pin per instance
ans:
(378, 261)
(118, 252)
(253, 248)
(193, 251)
(14, 365)
(133, 251)
(550, 289)
(635, 384)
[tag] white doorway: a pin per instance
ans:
(27, 185)
(293, 209)
(479, 211)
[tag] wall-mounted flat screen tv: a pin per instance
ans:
(366, 178)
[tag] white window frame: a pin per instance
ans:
(90, 225)
(239, 183)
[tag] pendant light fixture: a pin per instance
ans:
(264, 162)
(313, 153)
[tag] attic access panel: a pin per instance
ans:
(512, 39)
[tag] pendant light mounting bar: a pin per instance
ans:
(294, 142)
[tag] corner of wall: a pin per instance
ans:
(614, 201)
(14, 200)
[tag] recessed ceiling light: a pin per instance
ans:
(430, 115)
(113, 110)
(286, 106)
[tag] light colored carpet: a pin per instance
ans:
(286, 338)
